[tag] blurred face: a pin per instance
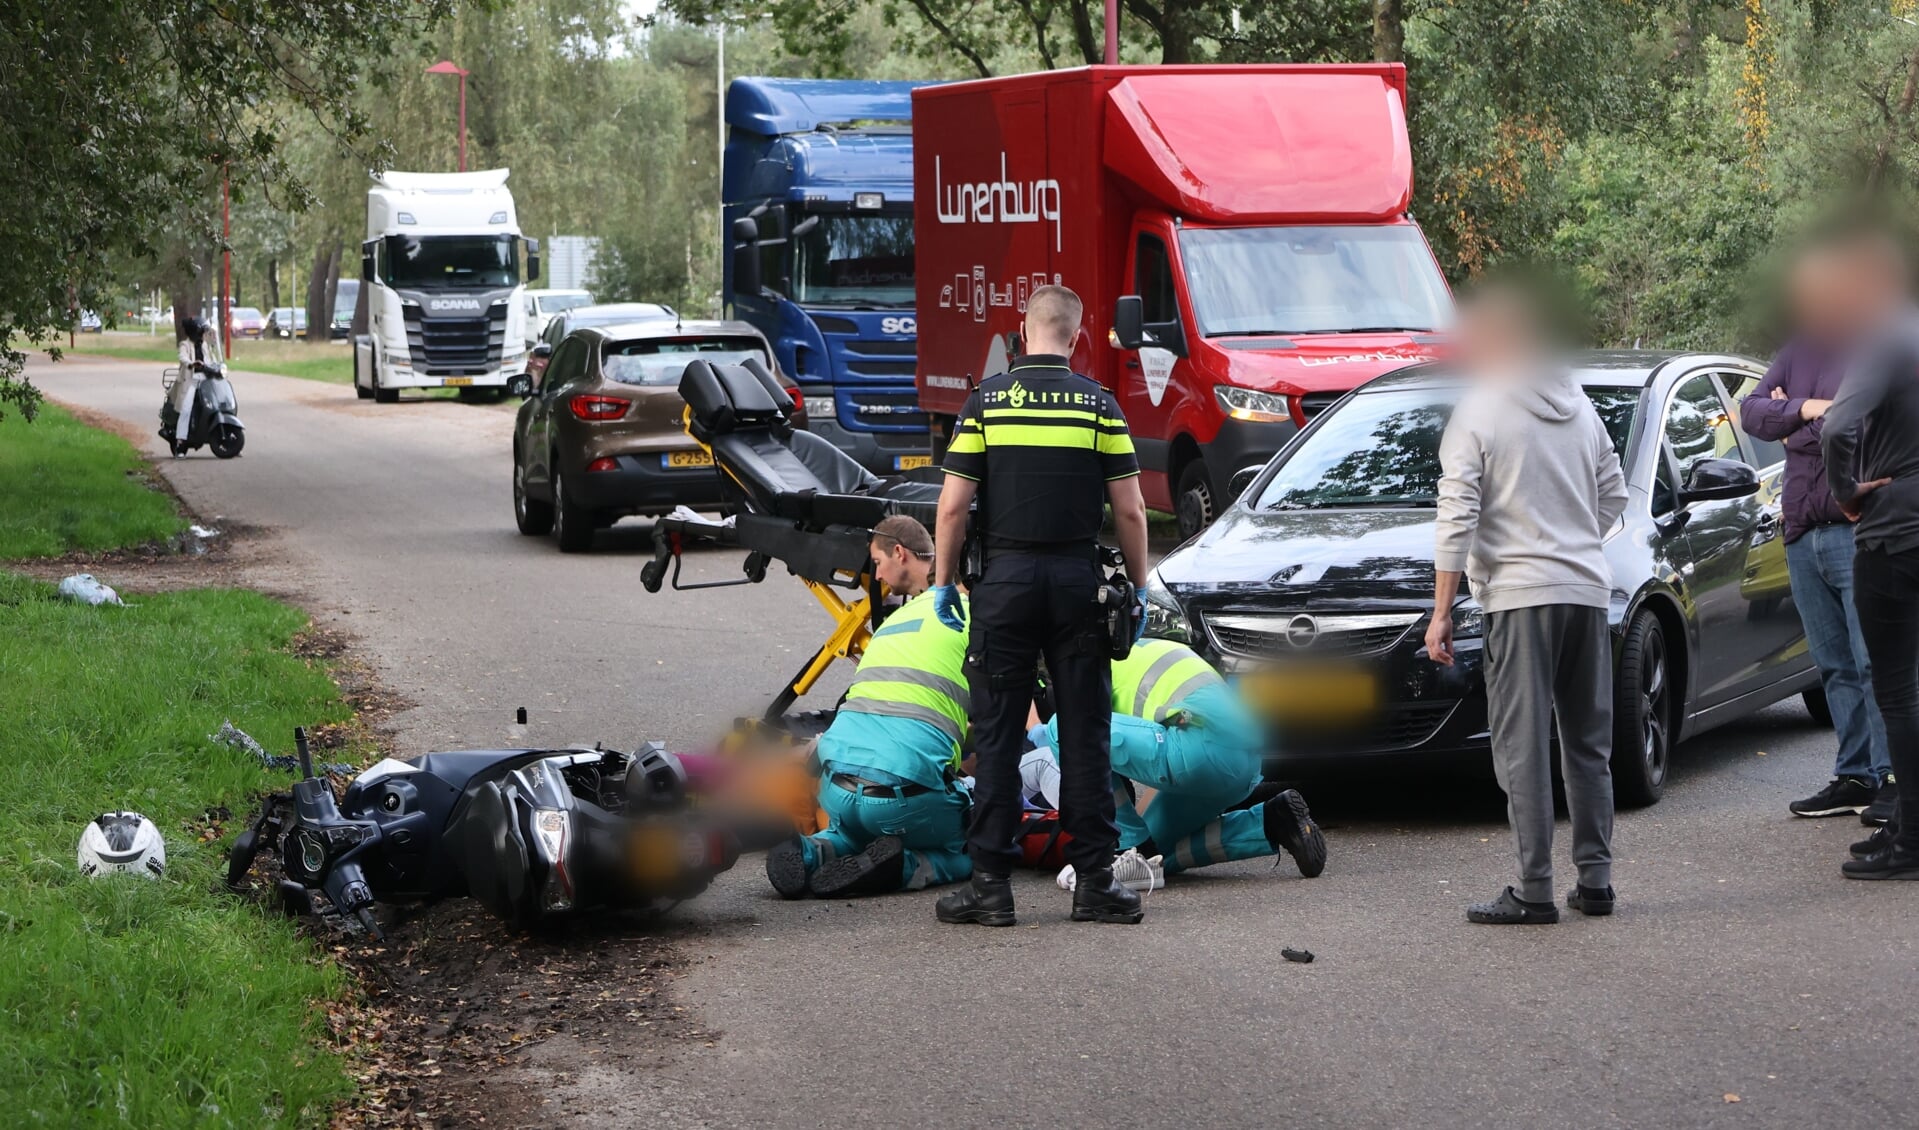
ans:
(1498, 336)
(1839, 294)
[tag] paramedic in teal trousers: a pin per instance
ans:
(889, 763)
(1180, 730)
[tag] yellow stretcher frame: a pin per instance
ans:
(853, 620)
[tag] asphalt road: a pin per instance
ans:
(1742, 983)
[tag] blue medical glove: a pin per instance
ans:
(946, 605)
(1139, 615)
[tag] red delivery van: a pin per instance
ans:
(1239, 234)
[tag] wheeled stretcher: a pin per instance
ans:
(796, 499)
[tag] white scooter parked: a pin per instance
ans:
(200, 409)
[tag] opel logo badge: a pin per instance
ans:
(1301, 630)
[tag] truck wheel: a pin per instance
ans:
(361, 391)
(1642, 714)
(535, 518)
(381, 395)
(572, 523)
(1193, 500)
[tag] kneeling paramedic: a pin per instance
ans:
(888, 763)
(1180, 730)
(1042, 449)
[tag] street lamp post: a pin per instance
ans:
(447, 67)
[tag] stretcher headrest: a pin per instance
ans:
(730, 398)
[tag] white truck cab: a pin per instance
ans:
(442, 270)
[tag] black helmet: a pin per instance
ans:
(194, 328)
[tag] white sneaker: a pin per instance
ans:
(1134, 871)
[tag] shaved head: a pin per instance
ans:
(1052, 320)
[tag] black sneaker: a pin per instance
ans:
(1511, 910)
(1883, 806)
(786, 868)
(1098, 897)
(1841, 796)
(986, 901)
(1880, 840)
(1590, 902)
(879, 868)
(1890, 863)
(1289, 825)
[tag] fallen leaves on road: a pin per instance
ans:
(1731, 1098)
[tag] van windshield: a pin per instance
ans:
(1313, 280)
(854, 259)
(450, 261)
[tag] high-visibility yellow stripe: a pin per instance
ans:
(1047, 413)
(1115, 443)
(967, 443)
(1039, 435)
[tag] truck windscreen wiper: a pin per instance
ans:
(1373, 330)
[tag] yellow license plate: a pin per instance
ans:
(457, 382)
(1308, 696)
(909, 462)
(686, 459)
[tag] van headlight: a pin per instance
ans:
(1252, 405)
(1164, 619)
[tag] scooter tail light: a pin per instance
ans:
(594, 408)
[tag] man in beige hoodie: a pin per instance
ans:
(1530, 488)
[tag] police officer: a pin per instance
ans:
(1043, 449)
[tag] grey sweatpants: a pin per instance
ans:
(1553, 659)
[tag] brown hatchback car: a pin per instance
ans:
(601, 438)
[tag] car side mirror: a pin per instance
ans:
(1710, 480)
(543, 349)
(1243, 478)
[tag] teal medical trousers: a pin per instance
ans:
(931, 825)
(1196, 776)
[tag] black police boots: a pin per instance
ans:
(1098, 897)
(986, 901)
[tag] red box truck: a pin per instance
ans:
(1239, 234)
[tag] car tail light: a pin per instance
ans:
(604, 463)
(599, 407)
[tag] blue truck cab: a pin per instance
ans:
(817, 201)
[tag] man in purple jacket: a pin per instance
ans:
(1789, 405)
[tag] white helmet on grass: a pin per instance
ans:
(122, 842)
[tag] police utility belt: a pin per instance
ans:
(1116, 597)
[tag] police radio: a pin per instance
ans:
(1119, 604)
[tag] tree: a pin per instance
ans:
(123, 114)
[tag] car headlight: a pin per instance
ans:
(1469, 621)
(819, 407)
(1257, 407)
(1164, 619)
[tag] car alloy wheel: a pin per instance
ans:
(1642, 714)
(532, 516)
(572, 525)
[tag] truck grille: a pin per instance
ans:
(456, 347)
(1283, 635)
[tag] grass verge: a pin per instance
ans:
(127, 1000)
(330, 362)
(72, 487)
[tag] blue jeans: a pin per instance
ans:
(1820, 565)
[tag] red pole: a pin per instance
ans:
(463, 121)
(1112, 32)
(226, 265)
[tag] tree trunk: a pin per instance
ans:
(184, 297)
(1092, 47)
(1389, 31)
(332, 288)
(319, 295)
(1896, 125)
(273, 283)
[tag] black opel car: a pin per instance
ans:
(1315, 586)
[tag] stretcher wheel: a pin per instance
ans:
(652, 574)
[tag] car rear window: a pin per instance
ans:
(1382, 449)
(660, 362)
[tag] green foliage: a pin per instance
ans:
(121, 115)
(125, 1001)
(330, 362)
(68, 487)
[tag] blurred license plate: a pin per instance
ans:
(1288, 695)
(909, 462)
(457, 382)
(686, 459)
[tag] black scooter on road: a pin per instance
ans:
(213, 419)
